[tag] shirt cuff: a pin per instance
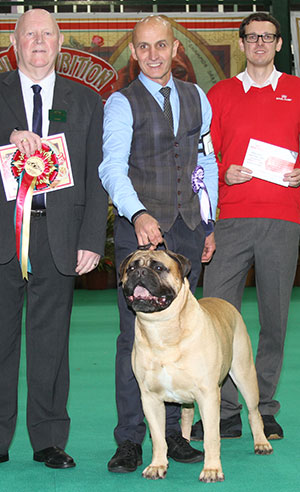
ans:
(138, 214)
(209, 227)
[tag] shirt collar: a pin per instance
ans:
(248, 82)
(152, 86)
(46, 84)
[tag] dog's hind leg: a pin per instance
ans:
(187, 416)
(244, 375)
(247, 384)
(155, 413)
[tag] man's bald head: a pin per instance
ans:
(34, 12)
(152, 20)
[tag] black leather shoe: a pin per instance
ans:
(230, 428)
(127, 458)
(272, 429)
(4, 458)
(180, 450)
(54, 458)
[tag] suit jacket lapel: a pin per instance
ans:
(62, 100)
(12, 93)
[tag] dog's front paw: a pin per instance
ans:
(263, 448)
(155, 472)
(211, 475)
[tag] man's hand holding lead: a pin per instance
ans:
(148, 231)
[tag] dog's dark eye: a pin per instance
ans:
(157, 266)
(130, 268)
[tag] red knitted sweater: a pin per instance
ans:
(262, 114)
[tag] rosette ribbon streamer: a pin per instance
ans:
(36, 172)
(197, 184)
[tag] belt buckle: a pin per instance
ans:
(38, 213)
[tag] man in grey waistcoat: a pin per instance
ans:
(160, 171)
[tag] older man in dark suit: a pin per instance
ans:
(67, 232)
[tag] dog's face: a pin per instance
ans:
(152, 279)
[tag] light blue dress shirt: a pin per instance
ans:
(117, 136)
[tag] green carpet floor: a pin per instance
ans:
(92, 409)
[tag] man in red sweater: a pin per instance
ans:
(259, 220)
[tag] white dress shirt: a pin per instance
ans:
(47, 91)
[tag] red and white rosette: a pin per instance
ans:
(36, 172)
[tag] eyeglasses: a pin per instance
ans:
(266, 37)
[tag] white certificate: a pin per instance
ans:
(269, 162)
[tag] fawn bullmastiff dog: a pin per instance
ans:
(182, 352)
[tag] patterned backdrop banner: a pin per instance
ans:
(96, 53)
(295, 28)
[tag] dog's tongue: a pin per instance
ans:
(140, 291)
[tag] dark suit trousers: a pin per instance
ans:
(48, 309)
(181, 240)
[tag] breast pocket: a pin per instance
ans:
(193, 131)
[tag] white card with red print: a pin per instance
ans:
(269, 162)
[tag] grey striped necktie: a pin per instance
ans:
(165, 91)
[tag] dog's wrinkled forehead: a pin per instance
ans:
(141, 260)
(149, 259)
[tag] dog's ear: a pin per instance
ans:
(123, 264)
(185, 264)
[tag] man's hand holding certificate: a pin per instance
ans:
(271, 163)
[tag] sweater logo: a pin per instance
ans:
(283, 97)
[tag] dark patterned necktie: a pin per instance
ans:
(38, 201)
(165, 91)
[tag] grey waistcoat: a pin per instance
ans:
(160, 163)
